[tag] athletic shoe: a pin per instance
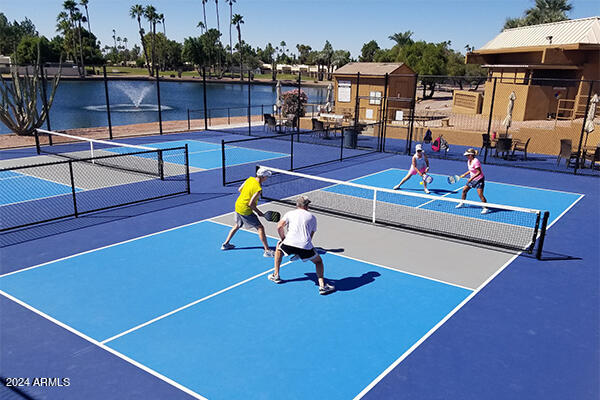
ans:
(269, 253)
(485, 210)
(326, 289)
(397, 187)
(426, 190)
(227, 246)
(274, 278)
(459, 205)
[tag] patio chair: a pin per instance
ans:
(486, 142)
(291, 123)
(319, 128)
(566, 152)
(520, 146)
(503, 146)
(593, 157)
(271, 122)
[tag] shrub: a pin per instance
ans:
(291, 102)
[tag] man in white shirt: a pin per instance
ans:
(297, 241)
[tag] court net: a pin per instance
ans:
(133, 158)
(508, 227)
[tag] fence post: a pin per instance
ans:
(357, 101)
(228, 116)
(291, 152)
(249, 103)
(412, 117)
(110, 133)
(587, 108)
(45, 97)
(490, 118)
(73, 188)
(204, 91)
(299, 105)
(160, 127)
(382, 115)
(188, 115)
(223, 160)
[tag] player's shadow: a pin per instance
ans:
(341, 285)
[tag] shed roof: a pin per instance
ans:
(368, 68)
(575, 31)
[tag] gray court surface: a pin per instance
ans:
(447, 260)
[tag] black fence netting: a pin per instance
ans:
(45, 192)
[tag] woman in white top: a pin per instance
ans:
(419, 165)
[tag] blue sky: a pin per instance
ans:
(347, 24)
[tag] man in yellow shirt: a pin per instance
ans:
(246, 211)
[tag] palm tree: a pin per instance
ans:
(114, 36)
(125, 41)
(236, 20)
(77, 16)
(136, 11)
(152, 17)
(161, 17)
(85, 3)
(546, 11)
(201, 26)
(231, 23)
(71, 7)
(402, 39)
(204, 12)
(217, 8)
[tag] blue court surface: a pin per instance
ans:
(206, 155)
(13, 184)
(140, 302)
(556, 202)
(212, 344)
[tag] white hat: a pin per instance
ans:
(419, 147)
(263, 172)
(470, 152)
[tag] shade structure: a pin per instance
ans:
(278, 102)
(328, 98)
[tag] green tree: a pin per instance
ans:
(367, 53)
(193, 52)
(327, 56)
(340, 58)
(153, 18)
(230, 2)
(303, 53)
(426, 59)
(12, 33)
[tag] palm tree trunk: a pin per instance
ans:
(204, 12)
(81, 50)
(230, 18)
(88, 19)
(144, 46)
(241, 58)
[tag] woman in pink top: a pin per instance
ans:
(476, 179)
(419, 165)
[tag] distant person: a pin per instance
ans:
(297, 241)
(418, 165)
(246, 210)
(475, 181)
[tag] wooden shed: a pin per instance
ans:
(548, 66)
(369, 81)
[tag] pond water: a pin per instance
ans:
(82, 104)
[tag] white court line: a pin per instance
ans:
(13, 177)
(447, 317)
(135, 328)
(104, 347)
(431, 331)
(70, 194)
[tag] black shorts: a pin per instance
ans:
(304, 254)
(478, 184)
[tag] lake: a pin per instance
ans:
(82, 104)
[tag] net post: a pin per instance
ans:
(223, 160)
(73, 189)
(540, 247)
(374, 205)
(37, 141)
(161, 166)
(160, 125)
(187, 169)
(204, 93)
(490, 118)
(110, 133)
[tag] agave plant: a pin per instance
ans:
(20, 95)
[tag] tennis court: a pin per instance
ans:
(150, 306)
